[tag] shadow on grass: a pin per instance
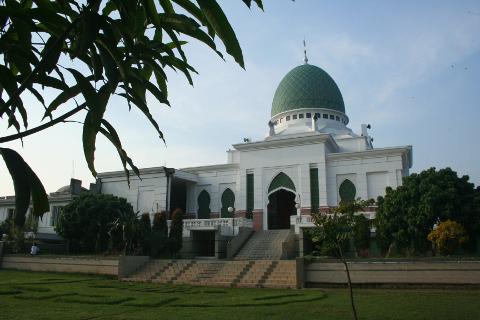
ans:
(278, 296)
(236, 305)
(43, 297)
(151, 304)
(85, 300)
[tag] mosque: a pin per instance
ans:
(308, 163)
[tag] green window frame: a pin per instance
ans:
(314, 191)
(347, 191)
(203, 201)
(250, 195)
(228, 200)
(281, 180)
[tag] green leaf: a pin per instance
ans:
(195, 11)
(188, 26)
(51, 53)
(26, 185)
(139, 102)
(258, 2)
(216, 17)
(63, 97)
(48, 81)
(167, 6)
(87, 89)
(92, 123)
(9, 83)
(111, 134)
(86, 32)
(109, 65)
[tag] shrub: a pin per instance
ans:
(145, 229)
(176, 232)
(6, 228)
(160, 223)
(158, 237)
(361, 234)
(405, 215)
(87, 222)
(448, 237)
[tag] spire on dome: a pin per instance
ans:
(305, 59)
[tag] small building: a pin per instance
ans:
(58, 199)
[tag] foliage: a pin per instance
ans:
(127, 224)
(158, 238)
(175, 237)
(448, 237)
(17, 238)
(333, 231)
(406, 215)
(5, 227)
(91, 220)
(160, 222)
(82, 54)
(144, 231)
(361, 234)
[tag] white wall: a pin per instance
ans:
(144, 195)
(370, 174)
(214, 181)
(376, 184)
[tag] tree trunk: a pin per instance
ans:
(352, 302)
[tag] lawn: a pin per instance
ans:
(35, 295)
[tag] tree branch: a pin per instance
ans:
(44, 126)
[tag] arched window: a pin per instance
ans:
(347, 191)
(228, 200)
(281, 180)
(203, 205)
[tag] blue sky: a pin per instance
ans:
(409, 68)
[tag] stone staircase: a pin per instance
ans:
(264, 245)
(240, 273)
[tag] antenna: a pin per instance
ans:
(305, 58)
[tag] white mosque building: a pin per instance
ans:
(309, 162)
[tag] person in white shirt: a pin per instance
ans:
(34, 250)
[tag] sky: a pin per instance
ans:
(411, 69)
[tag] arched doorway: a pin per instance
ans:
(203, 205)
(281, 202)
(281, 205)
(228, 200)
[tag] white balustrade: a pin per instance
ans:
(227, 226)
(305, 221)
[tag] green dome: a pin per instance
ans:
(307, 86)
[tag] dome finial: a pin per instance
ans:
(305, 59)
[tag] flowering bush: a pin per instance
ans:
(448, 237)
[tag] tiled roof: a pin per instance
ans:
(307, 86)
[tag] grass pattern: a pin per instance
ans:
(28, 295)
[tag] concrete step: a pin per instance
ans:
(269, 273)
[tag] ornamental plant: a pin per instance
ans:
(176, 232)
(448, 237)
(361, 234)
(158, 237)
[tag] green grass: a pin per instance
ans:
(35, 295)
